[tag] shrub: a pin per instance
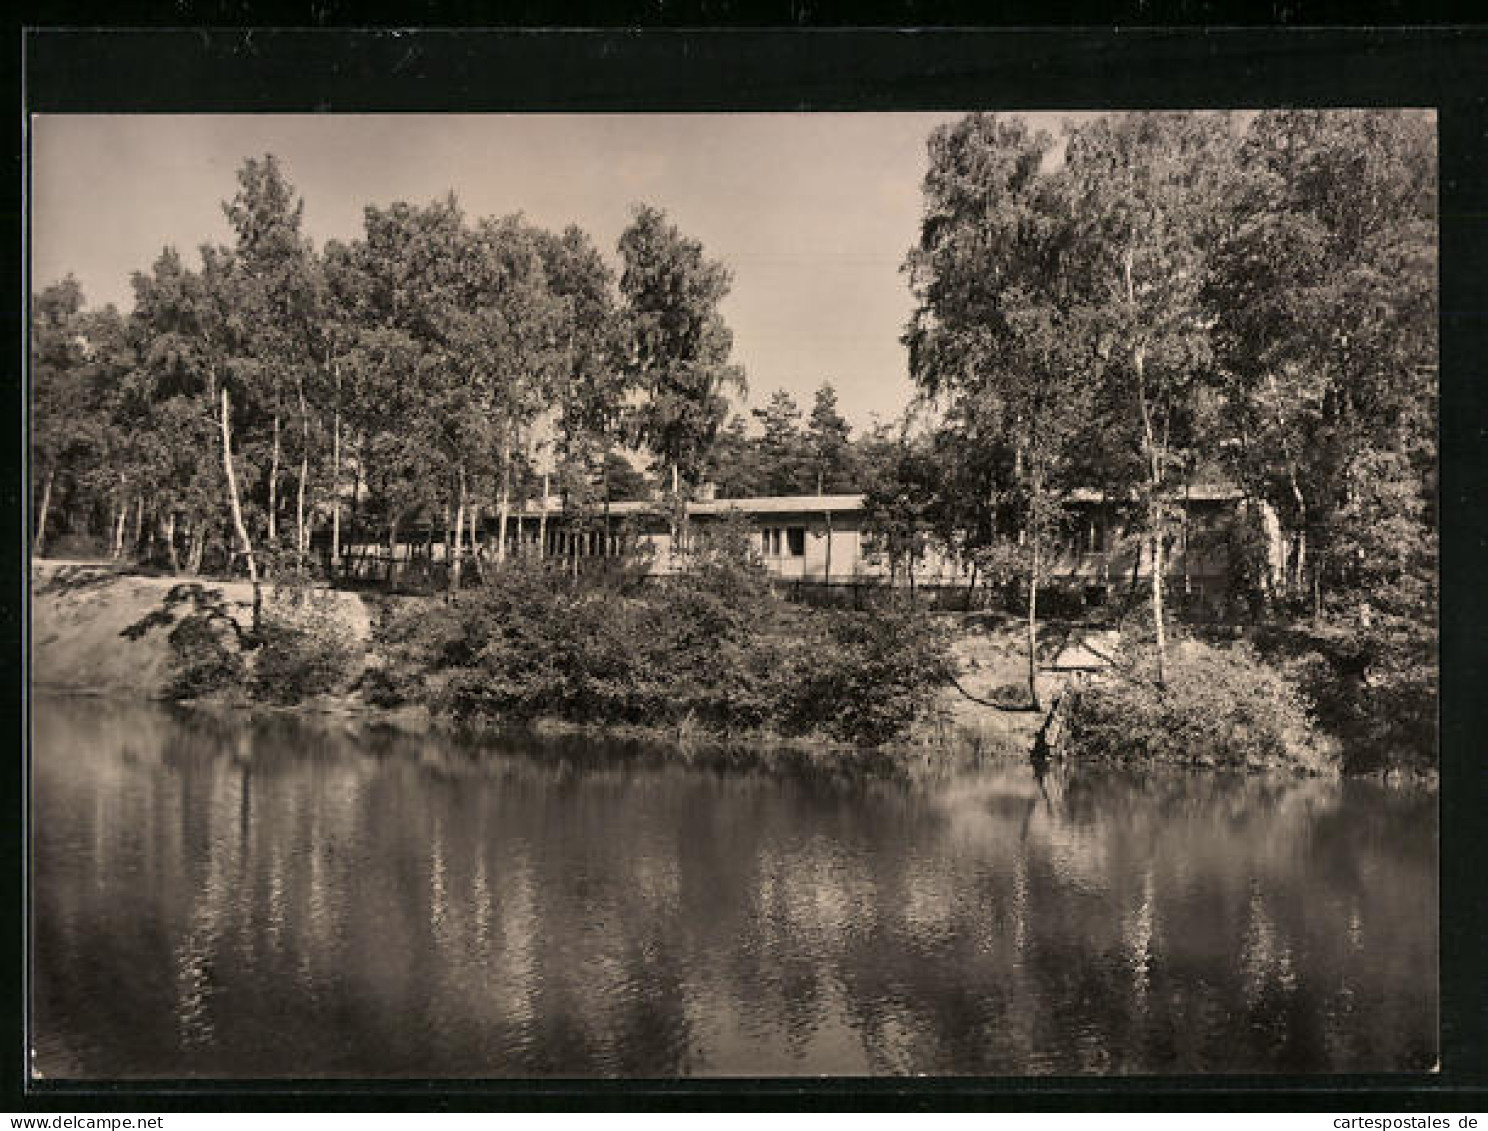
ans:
(1220, 707)
(206, 656)
(873, 674)
(79, 545)
(712, 648)
(306, 648)
(1375, 689)
(413, 639)
(1011, 695)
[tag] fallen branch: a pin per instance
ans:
(1027, 709)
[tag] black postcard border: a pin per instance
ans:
(798, 68)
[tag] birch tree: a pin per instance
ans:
(415, 411)
(61, 411)
(997, 302)
(193, 339)
(1323, 285)
(679, 347)
(590, 383)
(513, 343)
(279, 289)
(1142, 190)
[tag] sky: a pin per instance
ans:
(813, 213)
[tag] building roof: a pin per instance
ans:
(822, 504)
(763, 504)
(781, 504)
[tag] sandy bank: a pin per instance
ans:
(94, 628)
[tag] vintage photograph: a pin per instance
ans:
(733, 595)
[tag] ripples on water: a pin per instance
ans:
(214, 897)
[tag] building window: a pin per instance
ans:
(795, 538)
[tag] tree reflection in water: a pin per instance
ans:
(218, 897)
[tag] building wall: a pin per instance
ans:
(1103, 548)
(1109, 549)
(846, 547)
(771, 540)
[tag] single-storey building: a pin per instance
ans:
(827, 539)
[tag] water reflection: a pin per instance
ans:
(282, 898)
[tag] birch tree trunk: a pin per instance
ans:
(336, 477)
(1297, 584)
(197, 547)
(274, 487)
(678, 512)
(1187, 571)
(1155, 531)
(392, 549)
(1158, 613)
(170, 542)
(542, 523)
(505, 504)
(1299, 580)
(356, 497)
(41, 518)
(1154, 486)
(477, 547)
(245, 545)
(302, 533)
(459, 539)
(604, 479)
(122, 513)
(302, 540)
(1036, 564)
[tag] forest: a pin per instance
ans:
(1146, 301)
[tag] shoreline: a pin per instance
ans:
(102, 632)
(757, 751)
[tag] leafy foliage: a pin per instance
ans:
(679, 344)
(419, 371)
(898, 501)
(207, 656)
(785, 457)
(1220, 707)
(1374, 679)
(874, 673)
(304, 648)
(711, 648)
(1176, 293)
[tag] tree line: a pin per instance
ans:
(1159, 297)
(433, 368)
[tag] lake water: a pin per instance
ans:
(225, 898)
